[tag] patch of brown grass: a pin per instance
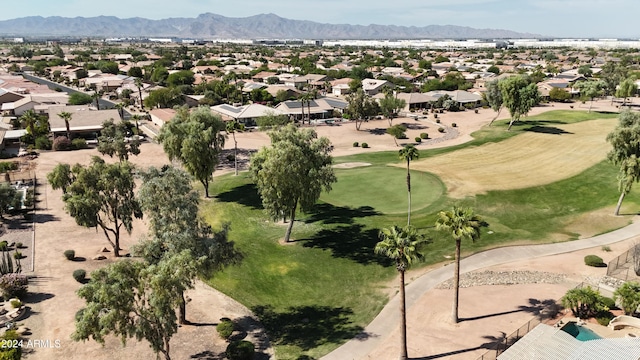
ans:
(526, 160)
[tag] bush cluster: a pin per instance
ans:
(418, 139)
(440, 129)
(364, 145)
(454, 125)
(8, 166)
(225, 328)
(78, 143)
(43, 143)
(70, 254)
(61, 143)
(356, 144)
(80, 275)
(14, 285)
(240, 350)
(594, 260)
(424, 135)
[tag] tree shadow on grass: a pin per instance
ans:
(547, 130)
(246, 195)
(331, 214)
(350, 242)
(307, 327)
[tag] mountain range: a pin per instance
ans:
(213, 26)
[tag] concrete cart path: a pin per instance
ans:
(388, 319)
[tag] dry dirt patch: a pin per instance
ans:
(351, 165)
(526, 160)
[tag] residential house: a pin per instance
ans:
(159, 117)
(245, 114)
(85, 122)
(373, 86)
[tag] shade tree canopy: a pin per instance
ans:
(519, 96)
(625, 152)
(195, 138)
(292, 172)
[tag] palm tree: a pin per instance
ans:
(232, 127)
(136, 118)
(96, 97)
(29, 118)
(461, 223)
(66, 116)
(139, 85)
(120, 107)
(408, 153)
(400, 244)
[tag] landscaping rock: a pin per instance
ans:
(504, 278)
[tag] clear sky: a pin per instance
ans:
(562, 18)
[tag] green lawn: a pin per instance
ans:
(322, 290)
(383, 188)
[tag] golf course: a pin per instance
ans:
(546, 180)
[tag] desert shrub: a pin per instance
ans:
(225, 328)
(440, 129)
(594, 260)
(608, 303)
(364, 145)
(604, 317)
(231, 157)
(43, 143)
(8, 166)
(14, 285)
(424, 135)
(17, 255)
(80, 275)
(454, 125)
(418, 139)
(61, 143)
(70, 254)
(10, 352)
(240, 350)
(4, 246)
(19, 245)
(606, 248)
(437, 120)
(16, 303)
(356, 144)
(79, 143)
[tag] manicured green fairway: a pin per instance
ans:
(383, 188)
(322, 290)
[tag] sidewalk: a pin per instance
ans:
(387, 321)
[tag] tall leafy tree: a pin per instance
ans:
(9, 199)
(231, 128)
(493, 97)
(460, 223)
(132, 299)
(397, 132)
(292, 172)
(590, 89)
(519, 95)
(66, 116)
(101, 195)
(170, 204)
(627, 88)
(360, 107)
(61, 177)
(390, 106)
(113, 141)
(408, 153)
(195, 138)
(625, 152)
(400, 245)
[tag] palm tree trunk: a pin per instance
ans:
(456, 284)
(403, 317)
(302, 111)
(617, 212)
(235, 152)
(409, 191)
(182, 313)
(292, 217)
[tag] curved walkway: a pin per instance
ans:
(387, 320)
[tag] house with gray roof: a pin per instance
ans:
(246, 114)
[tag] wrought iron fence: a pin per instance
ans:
(511, 339)
(622, 267)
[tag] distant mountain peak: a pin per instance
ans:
(214, 26)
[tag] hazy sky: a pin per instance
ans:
(562, 18)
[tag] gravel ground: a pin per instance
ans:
(505, 278)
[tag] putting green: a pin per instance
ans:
(383, 188)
